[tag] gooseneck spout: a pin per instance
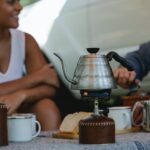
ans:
(64, 72)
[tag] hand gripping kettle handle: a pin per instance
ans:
(120, 59)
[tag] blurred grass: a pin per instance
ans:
(27, 2)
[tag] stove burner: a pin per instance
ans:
(99, 94)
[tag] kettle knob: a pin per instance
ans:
(92, 50)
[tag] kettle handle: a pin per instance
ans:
(120, 59)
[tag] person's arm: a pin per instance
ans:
(15, 99)
(35, 60)
(46, 75)
(41, 80)
(139, 59)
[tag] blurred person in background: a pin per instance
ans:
(140, 60)
(32, 90)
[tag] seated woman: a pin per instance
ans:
(34, 91)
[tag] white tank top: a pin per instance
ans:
(16, 64)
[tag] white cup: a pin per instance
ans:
(22, 127)
(35, 123)
(121, 116)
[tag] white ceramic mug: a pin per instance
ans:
(35, 123)
(22, 127)
(121, 116)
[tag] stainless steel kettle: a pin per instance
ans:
(93, 71)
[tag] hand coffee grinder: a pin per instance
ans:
(94, 78)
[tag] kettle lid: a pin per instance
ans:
(93, 50)
(93, 53)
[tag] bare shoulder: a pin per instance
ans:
(30, 40)
(33, 52)
(31, 46)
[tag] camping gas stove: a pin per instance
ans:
(97, 128)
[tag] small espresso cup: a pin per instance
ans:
(22, 127)
(121, 116)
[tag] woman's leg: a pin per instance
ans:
(46, 113)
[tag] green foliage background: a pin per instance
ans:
(27, 2)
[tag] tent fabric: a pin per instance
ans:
(68, 27)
